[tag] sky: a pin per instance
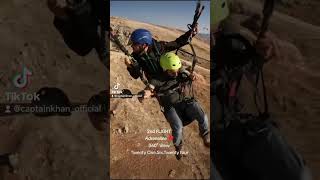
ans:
(176, 14)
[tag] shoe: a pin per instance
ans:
(206, 140)
(99, 119)
(178, 153)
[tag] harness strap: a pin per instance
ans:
(155, 45)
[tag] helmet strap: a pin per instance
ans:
(145, 47)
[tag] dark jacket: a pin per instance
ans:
(80, 29)
(149, 62)
(169, 89)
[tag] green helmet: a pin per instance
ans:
(219, 11)
(170, 61)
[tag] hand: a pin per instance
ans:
(193, 76)
(195, 30)
(147, 94)
(266, 46)
(127, 62)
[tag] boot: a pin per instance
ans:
(206, 139)
(10, 160)
(178, 149)
(4, 159)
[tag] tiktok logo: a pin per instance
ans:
(21, 80)
(116, 86)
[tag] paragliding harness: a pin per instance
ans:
(192, 27)
(238, 128)
(230, 82)
(188, 82)
(231, 78)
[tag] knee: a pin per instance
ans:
(202, 118)
(178, 130)
(197, 109)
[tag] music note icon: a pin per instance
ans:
(21, 79)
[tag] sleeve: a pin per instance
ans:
(184, 75)
(134, 70)
(176, 44)
(155, 84)
(184, 71)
